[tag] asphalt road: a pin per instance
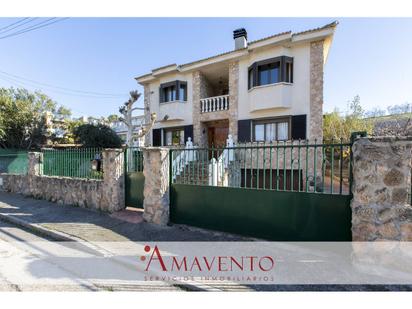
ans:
(20, 250)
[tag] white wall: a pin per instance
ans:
(181, 110)
(297, 97)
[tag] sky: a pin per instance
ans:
(369, 57)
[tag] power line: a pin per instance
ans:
(15, 23)
(75, 91)
(25, 84)
(34, 27)
(18, 25)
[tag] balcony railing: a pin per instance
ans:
(214, 104)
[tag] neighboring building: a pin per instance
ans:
(265, 90)
(121, 129)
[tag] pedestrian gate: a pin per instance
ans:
(134, 178)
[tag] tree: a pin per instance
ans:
(90, 135)
(112, 118)
(63, 112)
(336, 126)
(127, 111)
(22, 118)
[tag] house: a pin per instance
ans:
(264, 90)
(121, 129)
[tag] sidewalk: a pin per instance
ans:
(89, 225)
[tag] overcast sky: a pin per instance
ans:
(369, 57)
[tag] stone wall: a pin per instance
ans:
(105, 195)
(398, 126)
(381, 208)
(316, 90)
(156, 188)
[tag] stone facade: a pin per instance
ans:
(316, 90)
(148, 136)
(105, 195)
(156, 188)
(381, 208)
(202, 89)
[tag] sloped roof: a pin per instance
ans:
(327, 26)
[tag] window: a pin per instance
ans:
(268, 73)
(289, 72)
(182, 92)
(169, 94)
(271, 130)
(173, 91)
(174, 137)
(271, 71)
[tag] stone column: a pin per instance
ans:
(156, 186)
(316, 91)
(381, 208)
(34, 168)
(148, 136)
(113, 198)
(233, 98)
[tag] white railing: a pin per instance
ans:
(183, 158)
(217, 168)
(214, 104)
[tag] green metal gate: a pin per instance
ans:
(285, 191)
(134, 178)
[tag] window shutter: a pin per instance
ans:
(299, 127)
(188, 132)
(177, 87)
(243, 130)
(160, 94)
(157, 137)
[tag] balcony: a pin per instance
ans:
(270, 97)
(214, 104)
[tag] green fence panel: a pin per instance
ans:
(75, 163)
(268, 214)
(14, 162)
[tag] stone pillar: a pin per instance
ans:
(34, 168)
(156, 186)
(316, 91)
(381, 208)
(200, 91)
(113, 198)
(148, 136)
(233, 98)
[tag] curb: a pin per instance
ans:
(60, 236)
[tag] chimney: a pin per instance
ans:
(240, 36)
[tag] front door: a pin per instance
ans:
(217, 137)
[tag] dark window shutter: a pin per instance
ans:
(188, 132)
(157, 137)
(243, 130)
(160, 95)
(299, 127)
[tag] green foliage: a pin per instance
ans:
(112, 118)
(22, 124)
(97, 136)
(336, 126)
(63, 112)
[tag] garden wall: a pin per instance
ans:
(105, 195)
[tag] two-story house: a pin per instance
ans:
(264, 90)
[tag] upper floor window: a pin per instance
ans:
(271, 71)
(173, 91)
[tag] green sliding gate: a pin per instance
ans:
(286, 191)
(134, 179)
